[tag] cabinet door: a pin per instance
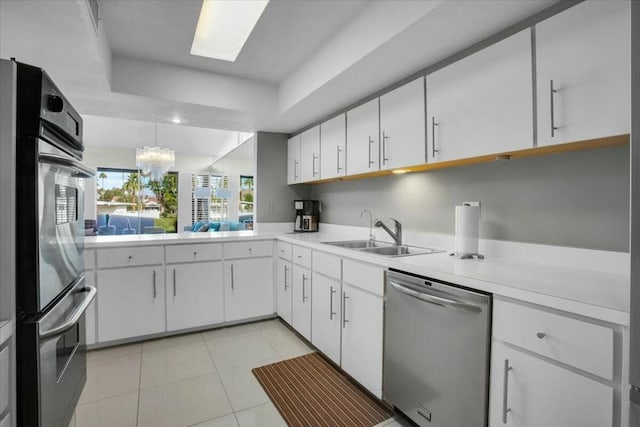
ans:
(310, 154)
(333, 137)
(325, 316)
(301, 306)
(584, 52)
(402, 129)
(362, 337)
(131, 302)
(194, 295)
(283, 289)
(248, 288)
(482, 104)
(293, 160)
(538, 393)
(363, 138)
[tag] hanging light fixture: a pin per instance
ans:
(155, 161)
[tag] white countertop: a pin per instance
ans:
(93, 242)
(602, 296)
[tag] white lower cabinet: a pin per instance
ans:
(194, 295)
(90, 314)
(283, 289)
(301, 305)
(530, 392)
(131, 302)
(326, 315)
(248, 288)
(362, 323)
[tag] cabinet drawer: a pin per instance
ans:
(302, 256)
(89, 259)
(200, 252)
(4, 379)
(326, 264)
(575, 342)
(260, 248)
(125, 257)
(364, 276)
(285, 250)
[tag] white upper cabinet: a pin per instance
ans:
(584, 72)
(293, 160)
(310, 154)
(482, 104)
(333, 137)
(363, 132)
(402, 131)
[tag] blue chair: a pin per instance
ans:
(107, 230)
(153, 230)
(129, 230)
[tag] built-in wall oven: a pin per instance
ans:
(51, 294)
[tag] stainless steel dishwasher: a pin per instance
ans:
(436, 351)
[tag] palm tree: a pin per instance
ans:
(102, 176)
(131, 187)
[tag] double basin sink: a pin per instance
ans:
(383, 248)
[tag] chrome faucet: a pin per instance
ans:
(397, 236)
(371, 235)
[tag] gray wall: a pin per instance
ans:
(576, 199)
(274, 198)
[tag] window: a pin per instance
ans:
(246, 201)
(129, 203)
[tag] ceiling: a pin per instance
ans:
(304, 60)
(286, 35)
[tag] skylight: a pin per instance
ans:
(224, 26)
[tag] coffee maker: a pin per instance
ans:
(307, 215)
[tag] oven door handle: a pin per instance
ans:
(432, 299)
(75, 316)
(81, 171)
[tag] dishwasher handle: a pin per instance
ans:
(432, 299)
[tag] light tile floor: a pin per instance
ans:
(200, 379)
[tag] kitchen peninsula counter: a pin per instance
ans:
(595, 294)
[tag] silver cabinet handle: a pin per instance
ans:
(174, 282)
(304, 295)
(232, 278)
(541, 335)
(385, 139)
(130, 258)
(433, 136)
(344, 310)
(505, 391)
(313, 165)
(286, 270)
(155, 292)
(295, 170)
(443, 302)
(195, 254)
(370, 144)
(552, 91)
(331, 312)
(338, 168)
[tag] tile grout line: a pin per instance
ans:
(221, 382)
(139, 388)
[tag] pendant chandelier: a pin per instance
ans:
(155, 161)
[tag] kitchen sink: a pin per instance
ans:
(383, 248)
(359, 244)
(403, 250)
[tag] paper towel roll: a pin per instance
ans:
(467, 230)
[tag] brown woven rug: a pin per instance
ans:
(309, 391)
